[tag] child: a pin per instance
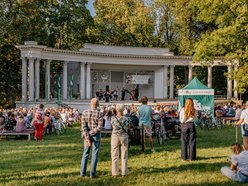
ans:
(238, 170)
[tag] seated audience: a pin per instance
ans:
(11, 122)
(238, 170)
(20, 124)
(2, 121)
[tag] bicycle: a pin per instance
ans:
(60, 127)
(159, 130)
(218, 123)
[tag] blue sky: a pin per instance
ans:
(90, 7)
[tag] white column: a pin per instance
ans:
(24, 79)
(47, 83)
(235, 83)
(190, 73)
(166, 81)
(229, 82)
(65, 80)
(37, 79)
(172, 81)
(31, 79)
(88, 81)
(82, 80)
(209, 76)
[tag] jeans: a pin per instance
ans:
(235, 176)
(188, 139)
(243, 131)
(95, 144)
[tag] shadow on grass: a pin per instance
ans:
(194, 166)
(227, 183)
(73, 178)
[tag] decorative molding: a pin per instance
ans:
(89, 56)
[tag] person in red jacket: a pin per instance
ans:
(39, 122)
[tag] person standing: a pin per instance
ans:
(39, 122)
(145, 112)
(91, 125)
(119, 138)
(123, 93)
(188, 131)
(243, 121)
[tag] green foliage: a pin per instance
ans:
(56, 161)
(241, 77)
(123, 22)
(229, 39)
(59, 24)
(10, 76)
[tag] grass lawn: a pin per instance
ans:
(56, 161)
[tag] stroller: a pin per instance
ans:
(172, 127)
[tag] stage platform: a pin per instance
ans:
(84, 104)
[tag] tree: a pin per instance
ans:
(10, 76)
(54, 23)
(123, 22)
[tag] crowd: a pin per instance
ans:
(43, 120)
(117, 118)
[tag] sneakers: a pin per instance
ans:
(153, 150)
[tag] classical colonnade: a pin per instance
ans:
(31, 80)
(92, 57)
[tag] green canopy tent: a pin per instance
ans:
(202, 96)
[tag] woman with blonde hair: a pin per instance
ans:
(188, 131)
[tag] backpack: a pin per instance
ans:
(134, 120)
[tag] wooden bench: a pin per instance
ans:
(27, 132)
(229, 120)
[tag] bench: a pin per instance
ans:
(229, 120)
(106, 131)
(27, 132)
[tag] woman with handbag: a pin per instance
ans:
(119, 138)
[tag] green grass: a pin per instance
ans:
(56, 161)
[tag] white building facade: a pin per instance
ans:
(96, 66)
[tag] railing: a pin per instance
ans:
(220, 96)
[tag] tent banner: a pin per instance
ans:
(195, 92)
(202, 103)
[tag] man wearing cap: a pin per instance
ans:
(92, 123)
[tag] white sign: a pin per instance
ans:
(140, 79)
(196, 92)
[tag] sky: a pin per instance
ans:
(90, 7)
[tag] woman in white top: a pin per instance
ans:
(243, 121)
(188, 131)
(107, 118)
